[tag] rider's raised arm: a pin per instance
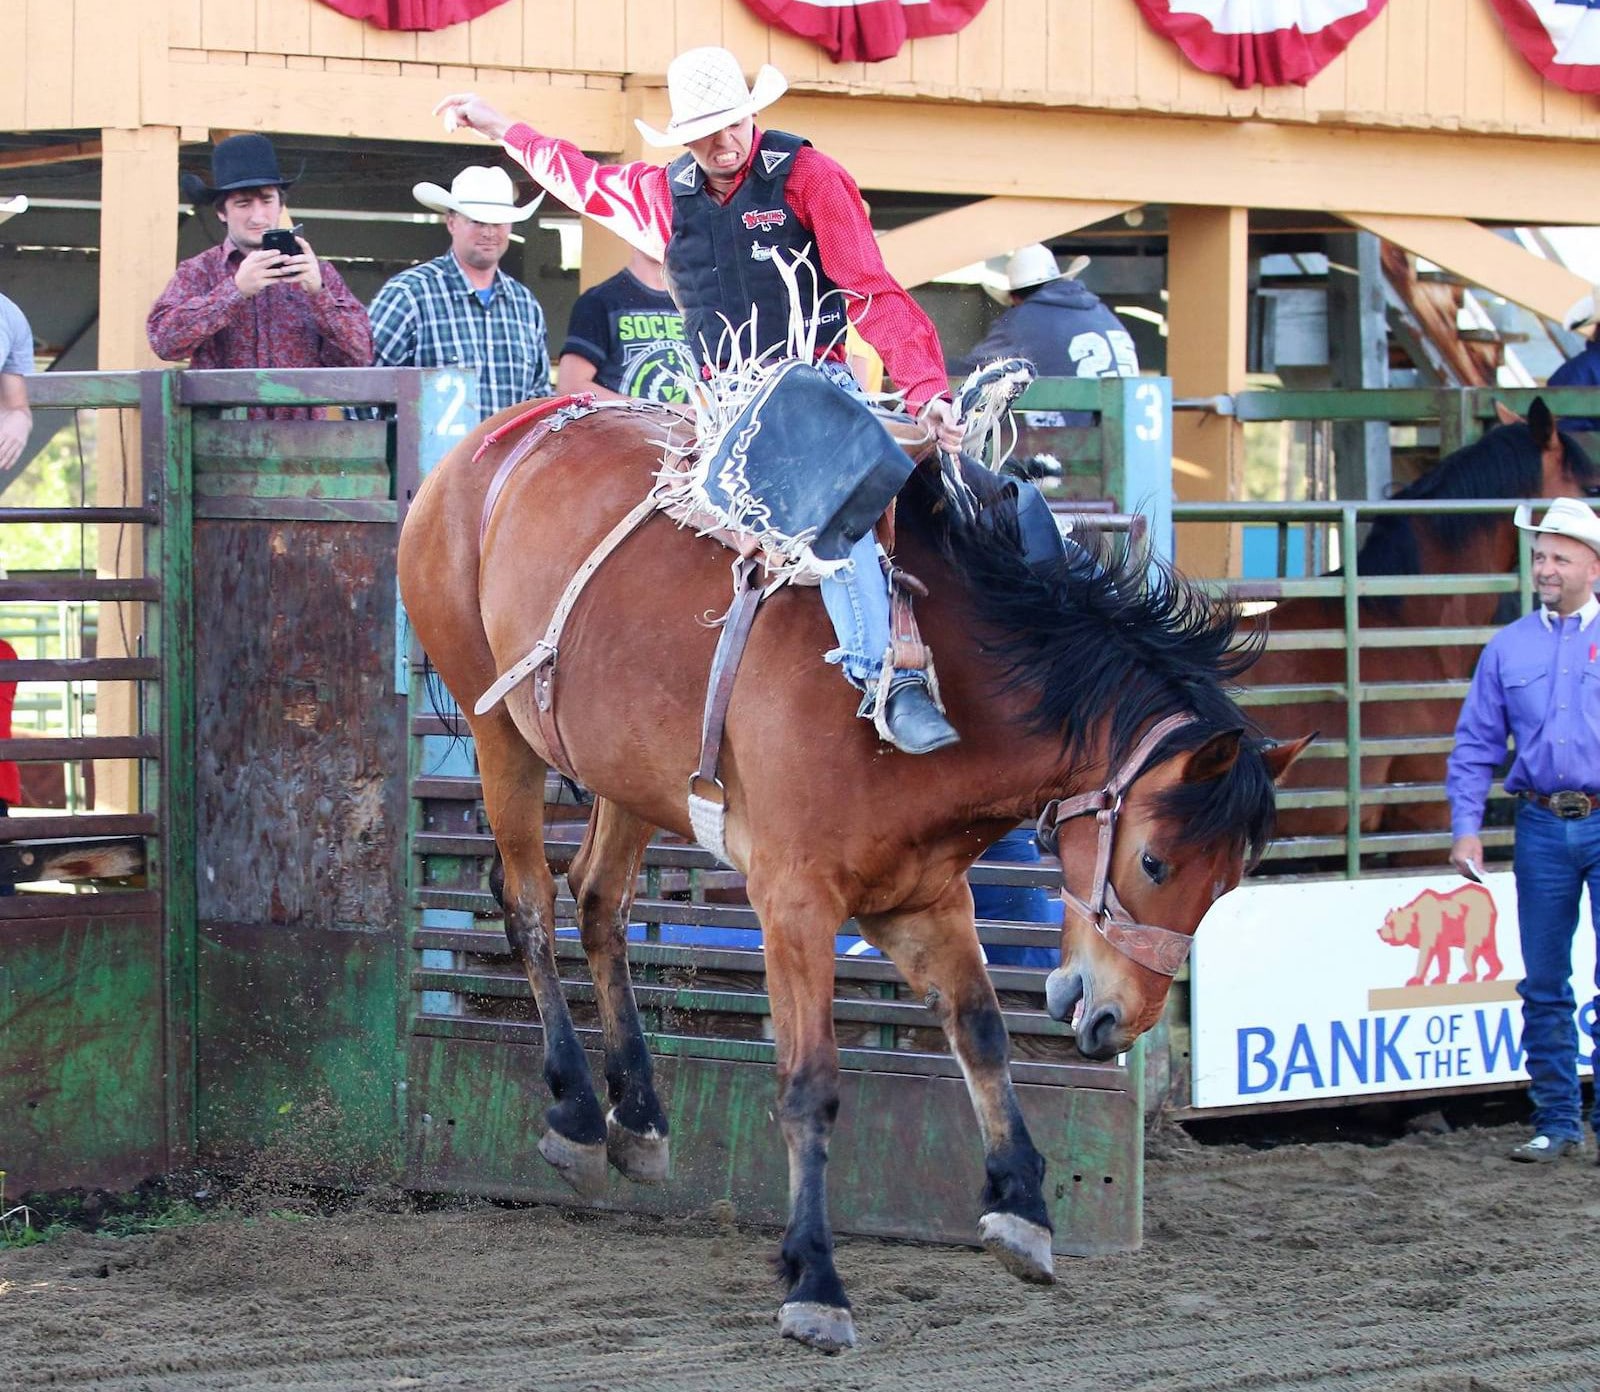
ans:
(632, 200)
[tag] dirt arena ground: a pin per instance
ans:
(1424, 1264)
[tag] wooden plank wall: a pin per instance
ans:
(1422, 64)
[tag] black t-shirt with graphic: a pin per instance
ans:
(634, 336)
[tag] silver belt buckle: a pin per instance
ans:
(1570, 804)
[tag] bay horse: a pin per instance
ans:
(1087, 683)
(1518, 458)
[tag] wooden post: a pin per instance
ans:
(138, 249)
(1358, 356)
(1207, 305)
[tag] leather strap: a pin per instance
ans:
(736, 626)
(907, 651)
(541, 658)
(1159, 949)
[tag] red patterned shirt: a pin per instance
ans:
(203, 316)
(10, 774)
(635, 202)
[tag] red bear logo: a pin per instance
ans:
(1433, 923)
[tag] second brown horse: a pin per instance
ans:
(1056, 681)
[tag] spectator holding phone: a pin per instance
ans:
(244, 303)
(461, 309)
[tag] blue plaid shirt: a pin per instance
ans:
(429, 316)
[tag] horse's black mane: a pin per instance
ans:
(1503, 463)
(1095, 636)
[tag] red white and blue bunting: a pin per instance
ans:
(1267, 42)
(424, 15)
(1561, 38)
(865, 31)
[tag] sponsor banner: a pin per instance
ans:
(1561, 38)
(1330, 989)
(865, 31)
(1270, 43)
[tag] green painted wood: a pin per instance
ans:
(169, 710)
(81, 1050)
(906, 1160)
(296, 1032)
(290, 445)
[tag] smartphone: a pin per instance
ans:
(281, 239)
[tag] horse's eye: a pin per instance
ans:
(1156, 868)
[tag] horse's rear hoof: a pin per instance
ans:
(582, 1166)
(645, 1158)
(825, 1327)
(1022, 1247)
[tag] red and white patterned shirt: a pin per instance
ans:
(635, 202)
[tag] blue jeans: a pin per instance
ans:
(1554, 860)
(857, 600)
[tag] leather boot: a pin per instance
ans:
(914, 722)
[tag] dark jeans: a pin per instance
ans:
(1555, 859)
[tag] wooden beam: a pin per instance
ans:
(380, 106)
(934, 245)
(50, 154)
(1477, 255)
(1208, 293)
(1135, 158)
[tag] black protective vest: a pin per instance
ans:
(719, 258)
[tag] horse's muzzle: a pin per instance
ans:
(1063, 990)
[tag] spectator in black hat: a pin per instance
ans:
(241, 305)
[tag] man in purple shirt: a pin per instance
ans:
(241, 305)
(1538, 681)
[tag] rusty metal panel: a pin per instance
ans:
(297, 1050)
(300, 807)
(82, 1099)
(906, 1160)
(300, 794)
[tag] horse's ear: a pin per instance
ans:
(1279, 756)
(1215, 757)
(1541, 423)
(1506, 415)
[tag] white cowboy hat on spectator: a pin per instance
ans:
(1034, 265)
(480, 193)
(10, 207)
(1584, 312)
(1565, 517)
(707, 90)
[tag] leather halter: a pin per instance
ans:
(1159, 949)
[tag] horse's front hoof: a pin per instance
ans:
(643, 1157)
(825, 1327)
(582, 1166)
(1022, 1247)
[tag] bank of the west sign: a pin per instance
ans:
(1337, 989)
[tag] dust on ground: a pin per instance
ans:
(1425, 1264)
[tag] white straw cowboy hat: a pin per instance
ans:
(707, 90)
(1565, 517)
(1584, 312)
(480, 193)
(1033, 265)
